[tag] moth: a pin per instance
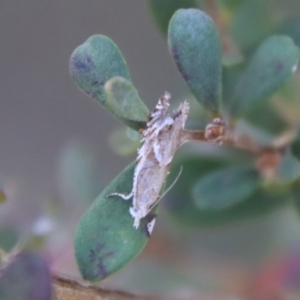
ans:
(161, 138)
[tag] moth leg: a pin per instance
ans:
(123, 196)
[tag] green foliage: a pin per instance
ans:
(123, 99)
(105, 238)
(181, 201)
(231, 185)
(274, 124)
(296, 145)
(96, 61)
(195, 46)
(27, 277)
(272, 64)
(224, 188)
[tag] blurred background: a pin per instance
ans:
(56, 154)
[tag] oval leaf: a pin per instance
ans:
(27, 277)
(272, 64)
(163, 10)
(224, 188)
(182, 207)
(124, 101)
(93, 63)
(195, 46)
(105, 239)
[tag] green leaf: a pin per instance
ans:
(124, 101)
(182, 207)
(96, 61)
(105, 238)
(163, 10)
(251, 23)
(27, 277)
(272, 64)
(295, 147)
(226, 187)
(195, 46)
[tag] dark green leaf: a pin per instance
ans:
(195, 46)
(163, 10)
(93, 63)
(27, 277)
(272, 64)
(105, 239)
(124, 101)
(296, 145)
(181, 204)
(226, 187)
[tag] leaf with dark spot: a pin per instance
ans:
(195, 46)
(105, 239)
(93, 64)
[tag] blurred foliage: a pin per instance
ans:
(239, 60)
(233, 74)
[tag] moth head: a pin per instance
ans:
(163, 102)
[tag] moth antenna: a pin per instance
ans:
(172, 184)
(168, 189)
